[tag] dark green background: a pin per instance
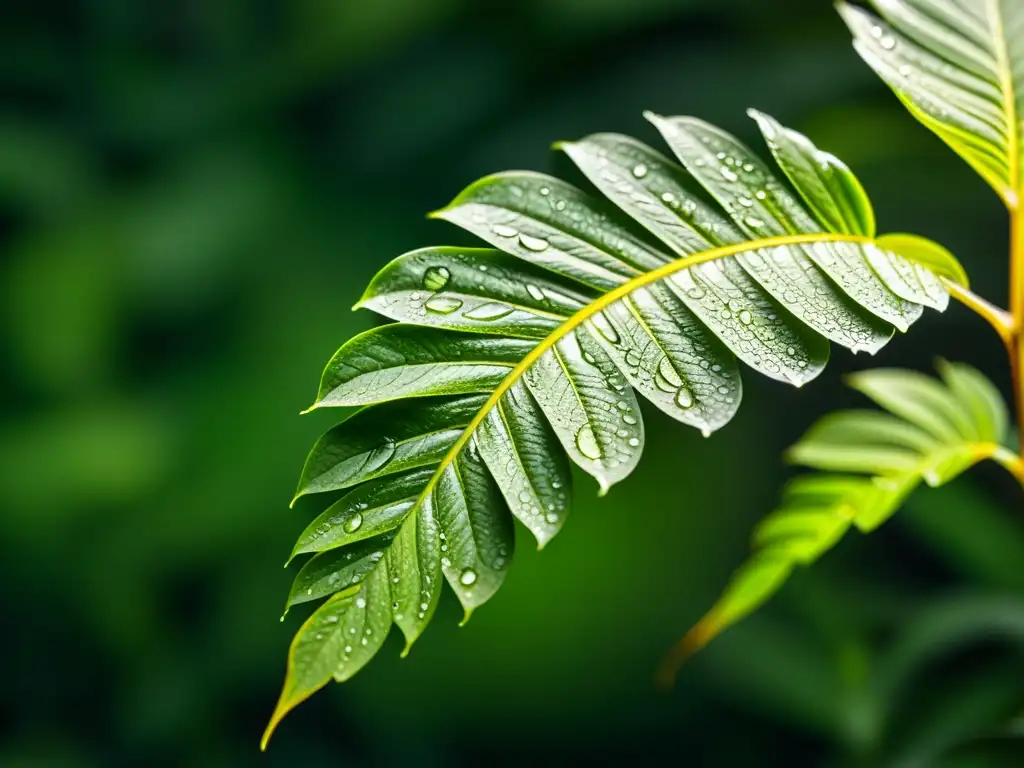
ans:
(193, 194)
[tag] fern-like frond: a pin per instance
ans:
(504, 365)
(867, 462)
(958, 65)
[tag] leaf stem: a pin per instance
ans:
(1015, 345)
(997, 317)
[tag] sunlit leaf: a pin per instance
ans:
(868, 462)
(958, 66)
(506, 365)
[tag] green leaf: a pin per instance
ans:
(371, 509)
(483, 291)
(821, 178)
(506, 365)
(386, 439)
(399, 361)
(870, 462)
(959, 69)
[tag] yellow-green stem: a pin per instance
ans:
(1015, 345)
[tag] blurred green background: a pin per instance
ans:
(193, 194)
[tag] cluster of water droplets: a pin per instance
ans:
(436, 279)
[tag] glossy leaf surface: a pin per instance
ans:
(507, 364)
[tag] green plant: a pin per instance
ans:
(507, 365)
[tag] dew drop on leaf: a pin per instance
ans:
(684, 398)
(639, 170)
(745, 317)
(352, 524)
(530, 243)
(503, 230)
(468, 577)
(436, 278)
(587, 443)
(442, 305)
(535, 292)
(492, 310)
(668, 372)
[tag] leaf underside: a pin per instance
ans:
(958, 66)
(866, 463)
(506, 365)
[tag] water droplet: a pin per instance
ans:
(746, 202)
(667, 378)
(668, 197)
(629, 418)
(535, 292)
(560, 205)
(634, 441)
(888, 42)
(760, 194)
(504, 231)
(639, 170)
(468, 577)
(728, 174)
(745, 317)
(360, 602)
(723, 390)
(633, 358)
(492, 310)
(684, 398)
(352, 524)
(587, 443)
(545, 191)
(748, 167)
(442, 305)
(605, 329)
(753, 222)
(436, 278)
(536, 244)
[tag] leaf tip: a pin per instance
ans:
(285, 704)
(653, 117)
(468, 612)
(311, 408)
(692, 641)
(440, 214)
